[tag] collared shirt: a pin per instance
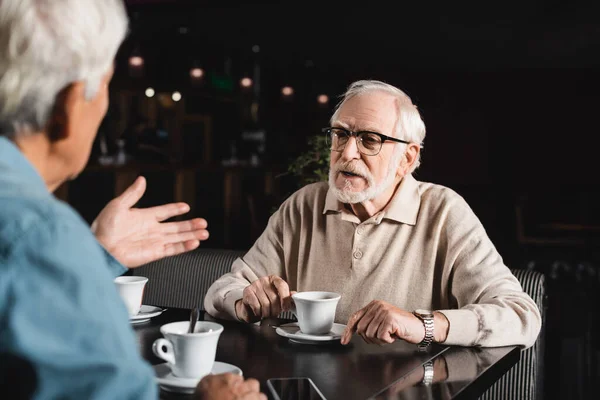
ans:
(425, 250)
(61, 316)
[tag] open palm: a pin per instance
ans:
(136, 236)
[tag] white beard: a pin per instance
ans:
(373, 190)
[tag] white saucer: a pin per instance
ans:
(171, 383)
(292, 332)
(146, 312)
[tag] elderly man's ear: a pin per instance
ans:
(410, 157)
(66, 105)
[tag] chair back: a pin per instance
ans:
(525, 381)
(182, 281)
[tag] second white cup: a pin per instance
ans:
(315, 311)
(190, 355)
(131, 290)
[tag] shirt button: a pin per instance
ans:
(358, 254)
(360, 230)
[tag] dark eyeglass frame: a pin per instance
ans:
(350, 133)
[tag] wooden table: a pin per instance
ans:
(355, 371)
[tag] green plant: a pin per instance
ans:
(312, 165)
(309, 167)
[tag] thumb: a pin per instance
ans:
(133, 193)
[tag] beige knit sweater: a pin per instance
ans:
(426, 250)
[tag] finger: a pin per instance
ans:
(283, 290)
(167, 211)
(265, 301)
(385, 334)
(396, 333)
(172, 249)
(251, 300)
(350, 327)
(133, 193)
(250, 385)
(363, 325)
(378, 318)
(185, 236)
(364, 338)
(254, 396)
(242, 311)
(190, 225)
(226, 378)
(385, 329)
(274, 298)
(233, 379)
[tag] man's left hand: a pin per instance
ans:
(380, 322)
(136, 236)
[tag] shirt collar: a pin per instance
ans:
(404, 206)
(13, 162)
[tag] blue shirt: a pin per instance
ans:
(60, 313)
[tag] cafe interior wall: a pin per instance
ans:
(509, 93)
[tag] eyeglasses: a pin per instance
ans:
(368, 143)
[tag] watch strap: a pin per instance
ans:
(428, 373)
(427, 320)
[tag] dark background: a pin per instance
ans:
(509, 92)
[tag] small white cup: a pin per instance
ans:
(315, 311)
(190, 355)
(131, 289)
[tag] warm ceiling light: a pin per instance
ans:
(136, 61)
(287, 91)
(323, 99)
(149, 92)
(176, 96)
(246, 82)
(197, 73)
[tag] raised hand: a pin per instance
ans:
(136, 236)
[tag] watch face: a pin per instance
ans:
(424, 313)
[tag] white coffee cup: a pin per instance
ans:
(190, 355)
(131, 289)
(315, 311)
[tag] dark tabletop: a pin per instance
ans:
(355, 371)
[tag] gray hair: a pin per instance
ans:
(410, 125)
(45, 45)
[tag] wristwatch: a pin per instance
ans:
(428, 373)
(427, 317)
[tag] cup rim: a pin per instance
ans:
(334, 296)
(217, 329)
(130, 280)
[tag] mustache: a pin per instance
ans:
(353, 167)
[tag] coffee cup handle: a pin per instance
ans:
(293, 309)
(157, 349)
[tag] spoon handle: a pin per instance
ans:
(193, 318)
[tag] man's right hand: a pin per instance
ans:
(228, 386)
(265, 297)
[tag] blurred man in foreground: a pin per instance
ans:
(63, 322)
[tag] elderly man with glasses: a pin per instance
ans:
(410, 259)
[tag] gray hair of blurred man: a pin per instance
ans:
(410, 125)
(45, 45)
